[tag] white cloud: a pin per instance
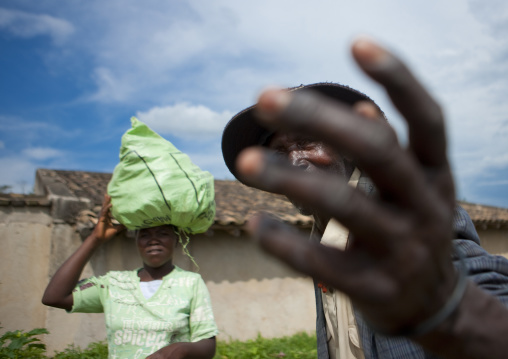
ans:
(494, 183)
(27, 25)
(217, 45)
(186, 121)
(20, 176)
(111, 87)
(22, 166)
(42, 153)
(219, 54)
(34, 131)
(194, 64)
(211, 160)
(494, 15)
(27, 146)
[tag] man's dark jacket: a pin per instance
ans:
(489, 272)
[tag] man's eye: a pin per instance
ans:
(280, 154)
(303, 144)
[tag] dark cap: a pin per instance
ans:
(243, 130)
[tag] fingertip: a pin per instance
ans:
(260, 226)
(367, 109)
(271, 101)
(253, 223)
(250, 162)
(367, 52)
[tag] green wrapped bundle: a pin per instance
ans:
(155, 184)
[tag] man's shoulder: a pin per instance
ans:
(463, 225)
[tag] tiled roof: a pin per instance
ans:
(23, 200)
(235, 202)
(80, 184)
(486, 216)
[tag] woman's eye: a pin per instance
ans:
(164, 233)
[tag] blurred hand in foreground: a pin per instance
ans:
(397, 268)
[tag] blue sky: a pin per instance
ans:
(72, 73)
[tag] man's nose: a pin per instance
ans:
(297, 159)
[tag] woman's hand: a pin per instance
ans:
(105, 229)
(58, 293)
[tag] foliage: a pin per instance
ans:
(298, 346)
(19, 344)
(98, 350)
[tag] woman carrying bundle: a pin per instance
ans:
(156, 311)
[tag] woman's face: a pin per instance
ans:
(156, 245)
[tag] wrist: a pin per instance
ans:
(478, 326)
(447, 298)
(448, 311)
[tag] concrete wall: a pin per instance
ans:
(251, 293)
(25, 237)
(495, 241)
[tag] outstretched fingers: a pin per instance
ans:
(327, 194)
(340, 270)
(372, 144)
(422, 113)
(408, 222)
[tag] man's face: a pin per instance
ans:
(311, 156)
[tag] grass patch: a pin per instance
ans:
(19, 344)
(298, 346)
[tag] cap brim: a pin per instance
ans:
(243, 130)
